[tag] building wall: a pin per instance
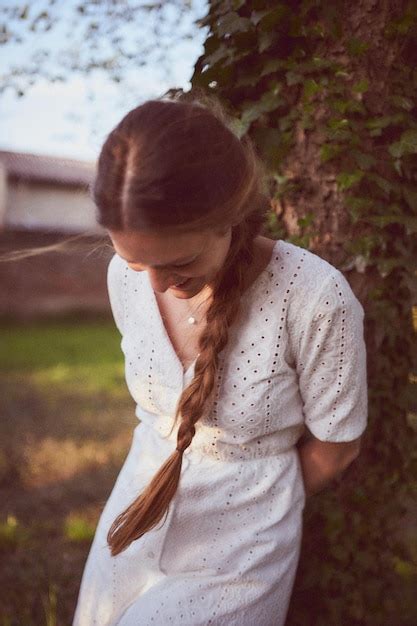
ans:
(53, 283)
(48, 207)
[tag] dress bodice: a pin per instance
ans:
(295, 357)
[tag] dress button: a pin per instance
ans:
(151, 555)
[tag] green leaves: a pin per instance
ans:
(232, 23)
(377, 124)
(346, 180)
(356, 47)
(402, 102)
(409, 221)
(270, 19)
(329, 151)
(270, 101)
(357, 206)
(361, 87)
(365, 140)
(406, 145)
(364, 161)
(311, 87)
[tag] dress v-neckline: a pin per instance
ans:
(167, 338)
(158, 315)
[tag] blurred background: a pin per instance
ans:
(327, 91)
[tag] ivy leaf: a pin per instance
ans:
(293, 78)
(346, 106)
(269, 19)
(266, 40)
(406, 569)
(402, 102)
(256, 16)
(345, 180)
(306, 221)
(338, 124)
(410, 197)
(406, 145)
(385, 266)
(222, 52)
(311, 87)
(232, 23)
(356, 206)
(269, 102)
(384, 184)
(272, 66)
(364, 161)
(329, 151)
(361, 86)
(360, 263)
(409, 221)
(273, 145)
(377, 123)
(236, 4)
(356, 47)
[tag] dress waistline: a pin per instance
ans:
(208, 442)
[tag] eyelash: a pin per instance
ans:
(184, 265)
(180, 266)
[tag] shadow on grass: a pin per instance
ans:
(41, 554)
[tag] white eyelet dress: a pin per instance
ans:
(228, 550)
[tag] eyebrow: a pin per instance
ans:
(175, 262)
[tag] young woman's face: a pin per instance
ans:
(183, 263)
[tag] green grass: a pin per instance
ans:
(84, 354)
(66, 427)
(12, 534)
(78, 529)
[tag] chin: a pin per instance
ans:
(187, 292)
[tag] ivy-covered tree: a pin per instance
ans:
(328, 91)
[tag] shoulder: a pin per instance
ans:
(117, 266)
(311, 281)
(308, 266)
(121, 279)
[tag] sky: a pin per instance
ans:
(72, 118)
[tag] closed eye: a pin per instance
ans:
(185, 264)
(166, 267)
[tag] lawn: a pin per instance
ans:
(65, 429)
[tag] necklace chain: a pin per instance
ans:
(191, 317)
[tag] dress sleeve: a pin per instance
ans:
(331, 363)
(115, 291)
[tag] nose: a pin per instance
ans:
(161, 280)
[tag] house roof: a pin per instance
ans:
(40, 168)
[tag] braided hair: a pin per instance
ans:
(177, 164)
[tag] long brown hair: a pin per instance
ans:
(177, 164)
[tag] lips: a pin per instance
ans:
(182, 284)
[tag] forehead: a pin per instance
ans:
(158, 248)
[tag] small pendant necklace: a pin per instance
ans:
(192, 320)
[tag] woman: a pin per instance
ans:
(233, 343)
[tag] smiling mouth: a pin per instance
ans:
(178, 285)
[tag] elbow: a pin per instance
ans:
(352, 453)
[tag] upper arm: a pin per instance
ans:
(330, 358)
